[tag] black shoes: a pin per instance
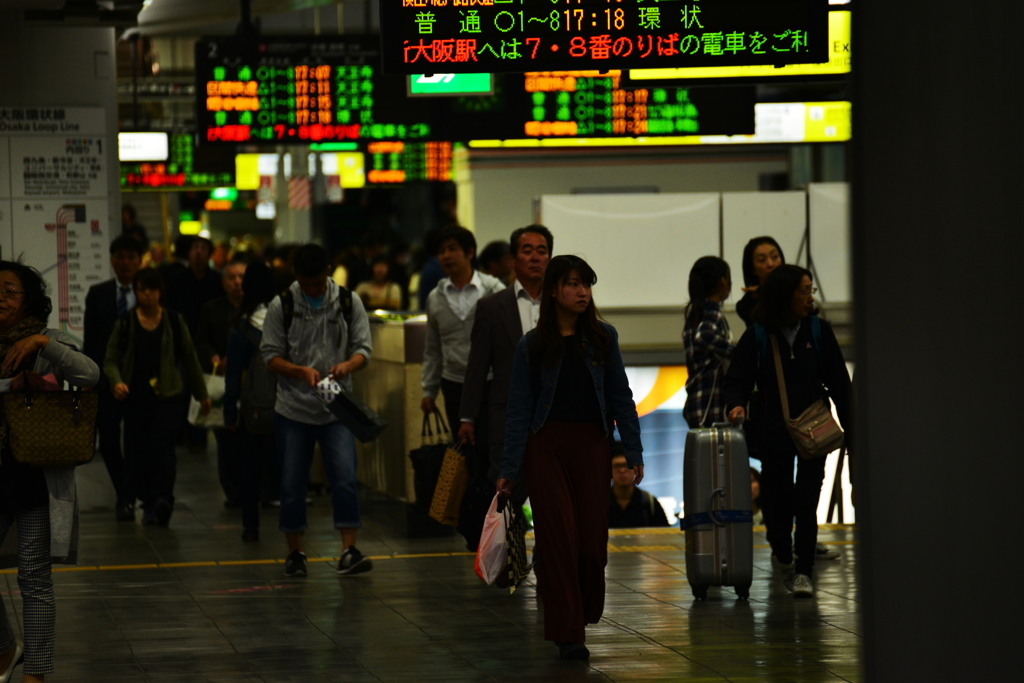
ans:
(577, 651)
(163, 511)
(353, 562)
(295, 565)
(251, 535)
(124, 512)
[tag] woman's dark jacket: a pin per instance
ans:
(751, 380)
(528, 405)
(745, 308)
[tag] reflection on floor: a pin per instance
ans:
(193, 603)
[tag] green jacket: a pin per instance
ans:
(169, 383)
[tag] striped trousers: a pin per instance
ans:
(39, 605)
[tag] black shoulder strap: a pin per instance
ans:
(345, 301)
(246, 329)
(175, 320)
(287, 309)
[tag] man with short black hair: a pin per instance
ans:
(315, 329)
(450, 314)
(104, 303)
(494, 261)
(196, 285)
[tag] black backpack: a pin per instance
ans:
(259, 389)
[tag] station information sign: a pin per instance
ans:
(469, 36)
(392, 163)
(592, 104)
(296, 90)
(270, 91)
(176, 173)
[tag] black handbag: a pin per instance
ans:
(360, 418)
(427, 460)
(51, 428)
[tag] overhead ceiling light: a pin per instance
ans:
(86, 13)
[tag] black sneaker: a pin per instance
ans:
(295, 565)
(163, 511)
(251, 535)
(573, 651)
(353, 562)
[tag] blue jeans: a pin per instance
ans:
(294, 442)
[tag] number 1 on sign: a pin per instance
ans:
(619, 21)
(578, 13)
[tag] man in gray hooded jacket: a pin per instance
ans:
(314, 345)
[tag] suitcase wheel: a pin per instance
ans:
(700, 592)
(743, 592)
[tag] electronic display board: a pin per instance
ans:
(313, 95)
(838, 63)
(402, 162)
(297, 89)
(591, 104)
(177, 173)
(467, 36)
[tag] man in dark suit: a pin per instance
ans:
(104, 303)
(195, 285)
(501, 320)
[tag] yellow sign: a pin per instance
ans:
(351, 169)
(247, 171)
(839, 60)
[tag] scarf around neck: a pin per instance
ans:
(25, 328)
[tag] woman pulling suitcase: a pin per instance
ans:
(568, 387)
(812, 368)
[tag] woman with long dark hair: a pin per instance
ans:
(706, 341)
(568, 391)
(256, 441)
(813, 368)
(38, 509)
(761, 256)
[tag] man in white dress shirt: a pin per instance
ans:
(450, 314)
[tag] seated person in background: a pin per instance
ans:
(380, 292)
(628, 506)
(755, 495)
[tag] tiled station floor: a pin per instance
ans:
(193, 603)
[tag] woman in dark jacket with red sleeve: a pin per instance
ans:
(813, 367)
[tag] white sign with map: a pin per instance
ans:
(53, 201)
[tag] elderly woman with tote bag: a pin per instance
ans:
(38, 510)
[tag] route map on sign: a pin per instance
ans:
(467, 36)
(53, 201)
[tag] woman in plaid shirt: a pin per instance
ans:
(707, 342)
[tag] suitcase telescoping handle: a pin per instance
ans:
(710, 506)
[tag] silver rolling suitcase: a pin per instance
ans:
(719, 521)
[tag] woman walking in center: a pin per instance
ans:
(143, 356)
(568, 389)
(38, 508)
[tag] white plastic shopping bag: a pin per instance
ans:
(215, 418)
(492, 554)
(328, 389)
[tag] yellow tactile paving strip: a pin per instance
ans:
(612, 548)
